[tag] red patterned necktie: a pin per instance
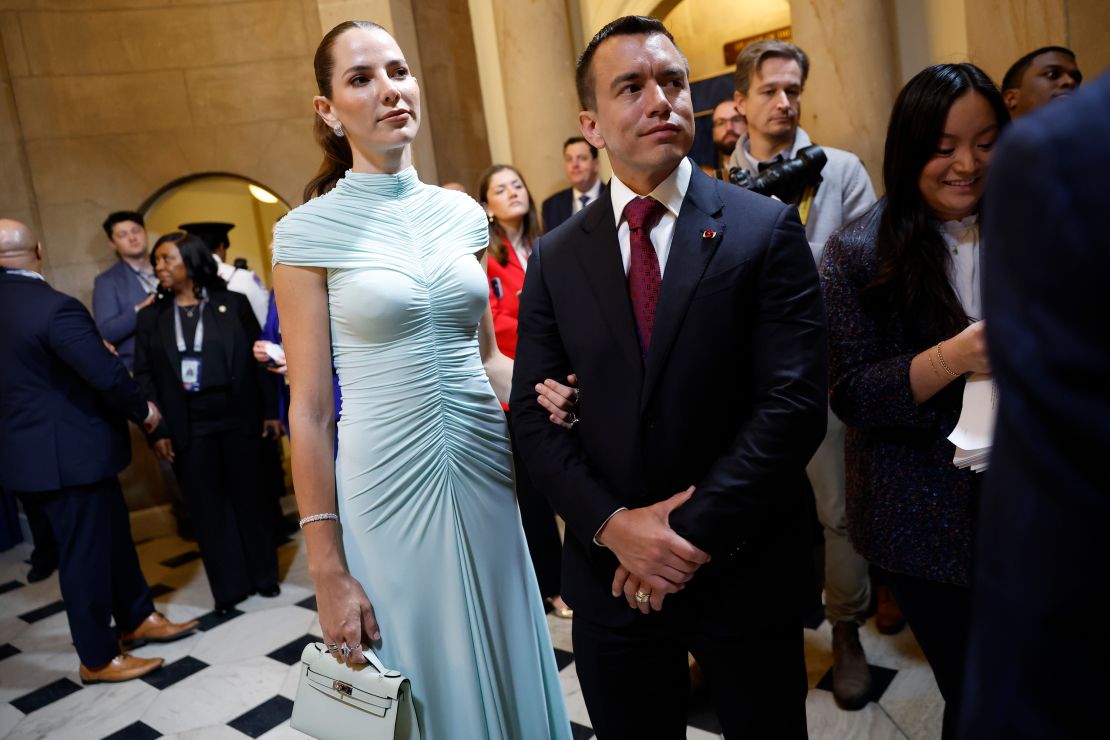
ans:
(644, 277)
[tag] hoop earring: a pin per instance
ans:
(338, 130)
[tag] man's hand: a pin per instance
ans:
(629, 583)
(560, 400)
(272, 429)
(163, 450)
(146, 302)
(645, 544)
(153, 419)
(110, 347)
(259, 351)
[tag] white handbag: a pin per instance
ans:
(338, 701)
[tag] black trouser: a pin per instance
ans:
(98, 570)
(540, 529)
(636, 681)
(44, 556)
(219, 475)
(940, 616)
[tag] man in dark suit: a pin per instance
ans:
(582, 167)
(127, 287)
(63, 398)
(1035, 654)
(694, 322)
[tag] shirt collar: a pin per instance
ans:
(24, 273)
(671, 192)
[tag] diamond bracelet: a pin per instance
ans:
(317, 518)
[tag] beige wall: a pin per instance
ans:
(117, 99)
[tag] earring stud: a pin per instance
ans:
(338, 130)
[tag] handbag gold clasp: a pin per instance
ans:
(342, 687)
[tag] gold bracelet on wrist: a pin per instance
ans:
(944, 365)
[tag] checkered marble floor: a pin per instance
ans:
(236, 677)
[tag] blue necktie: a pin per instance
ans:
(585, 199)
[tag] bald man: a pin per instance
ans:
(66, 400)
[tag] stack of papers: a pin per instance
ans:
(974, 432)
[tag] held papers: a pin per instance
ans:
(974, 431)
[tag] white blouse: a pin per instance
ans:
(962, 239)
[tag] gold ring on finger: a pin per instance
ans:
(641, 597)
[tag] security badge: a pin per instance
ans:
(190, 374)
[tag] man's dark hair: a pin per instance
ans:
(119, 217)
(1016, 72)
(629, 25)
(580, 140)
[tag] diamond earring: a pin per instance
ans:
(338, 130)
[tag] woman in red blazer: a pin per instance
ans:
(513, 229)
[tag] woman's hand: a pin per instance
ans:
(163, 449)
(967, 351)
(272, 429)
(259, 351)
(346, 615)
(629, 584)
(560, 400)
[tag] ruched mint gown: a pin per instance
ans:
(424, 479)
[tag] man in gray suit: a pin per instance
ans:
(770, 77)
(126, 287)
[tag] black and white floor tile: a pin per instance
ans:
(236, 677)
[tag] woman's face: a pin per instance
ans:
(952, 181)
(169, 268)
(507, 198)
(374, 95)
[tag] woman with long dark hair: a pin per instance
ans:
(413, 536)
(193, 359)
(902, 295)
(513, 229)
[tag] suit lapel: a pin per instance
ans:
(216, 327)
(600, 256)
(697, 233)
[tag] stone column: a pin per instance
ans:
(537, 66)
(852, 77)
(1001, 31)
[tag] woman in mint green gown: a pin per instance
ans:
(380, 275)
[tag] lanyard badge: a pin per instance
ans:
(190, 366)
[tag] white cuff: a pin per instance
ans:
(623, 508)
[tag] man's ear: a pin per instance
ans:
(38, 251)
(741, 101)
(1010, 98)
(323, 109)
(587, 122)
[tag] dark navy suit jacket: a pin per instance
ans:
(64, 398)
(116, 292)
(1036, 653)
(732, 399)
(559, 207)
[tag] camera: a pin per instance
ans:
(784, 180)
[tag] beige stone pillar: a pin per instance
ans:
(536, 53)
(852, 80)
(1001, 31)
(17, 196)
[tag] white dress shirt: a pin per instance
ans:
(576, 203)
(246, 283)
(962, 239)
(671, 192)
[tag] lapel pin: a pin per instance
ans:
(708, 234)
(222, 309)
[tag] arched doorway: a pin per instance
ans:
(220, 196)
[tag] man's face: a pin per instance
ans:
(1050, 75)
(728, 127)
(128, 239)
(643, 115)
(773, 101)
(581, 165)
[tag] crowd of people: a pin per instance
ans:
(689, 374)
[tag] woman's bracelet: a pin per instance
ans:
(944, 365)
(318, 518)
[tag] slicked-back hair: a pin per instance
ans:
(1016, 73)
(580, 140)
(337, 150)
(118, 217)
(912, 275)
(629, 25)
(753, 56)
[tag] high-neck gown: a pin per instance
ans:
(424, 476)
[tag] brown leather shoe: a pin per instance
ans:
(888, 617)
(123, 667)
(851, 676)
(157, 628)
